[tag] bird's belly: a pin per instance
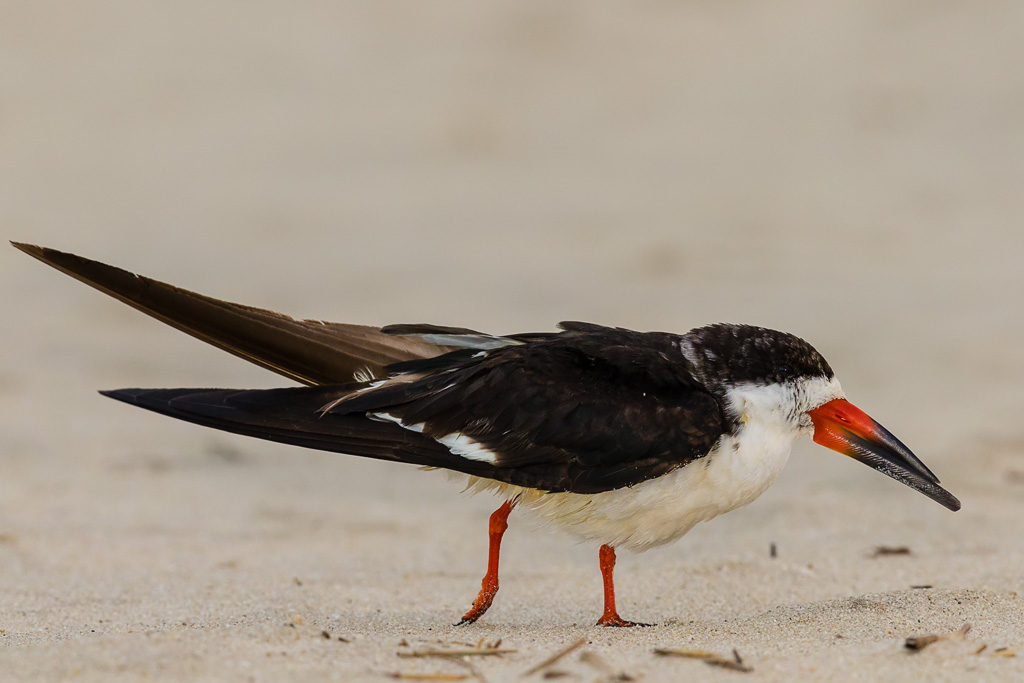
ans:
(660, 510)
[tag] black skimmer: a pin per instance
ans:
(626, 439)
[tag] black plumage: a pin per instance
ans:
(583, 410)
(587, 410)
(571, 412)
(733, 354)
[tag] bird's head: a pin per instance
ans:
(781, 381)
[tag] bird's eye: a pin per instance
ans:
(784, 370)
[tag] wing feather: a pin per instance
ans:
(307, 351)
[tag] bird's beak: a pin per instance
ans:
(845, 428)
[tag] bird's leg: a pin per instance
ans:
(611, 615)
(489, 587)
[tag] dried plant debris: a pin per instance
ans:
(710, 658)
(773, 550)
(998, 652)
(887, 550)
(457, 652)
(921, 586)
(326, 635)
(921, 642)
(555, 657)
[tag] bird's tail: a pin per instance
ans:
(308, 351)
(294, 416)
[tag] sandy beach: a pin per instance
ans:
(850, 172)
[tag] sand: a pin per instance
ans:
(847, 171)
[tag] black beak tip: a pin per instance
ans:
(933, 491)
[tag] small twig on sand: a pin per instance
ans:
(886, 550)
(735, 664)
(555, 657)
(921, 642)
(458, 656)
(474, 652)
(998, 652)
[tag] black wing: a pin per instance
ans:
(308, 351)
(588, 410)
(585, 411)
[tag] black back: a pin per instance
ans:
(587, 410)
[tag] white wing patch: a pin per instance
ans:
(459, 444)
(388, 417)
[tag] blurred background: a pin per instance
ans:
(848, 171)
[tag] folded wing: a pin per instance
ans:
(587, 410)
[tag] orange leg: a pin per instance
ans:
(489, 587)
(611, 615)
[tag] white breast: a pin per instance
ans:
(661, 510)
(738, 470)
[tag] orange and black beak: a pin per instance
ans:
(845, 428)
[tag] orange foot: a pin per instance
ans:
(481, 604)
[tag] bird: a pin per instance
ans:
(625, 439)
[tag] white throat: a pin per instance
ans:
(781, 406)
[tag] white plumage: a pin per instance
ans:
(739, 468)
